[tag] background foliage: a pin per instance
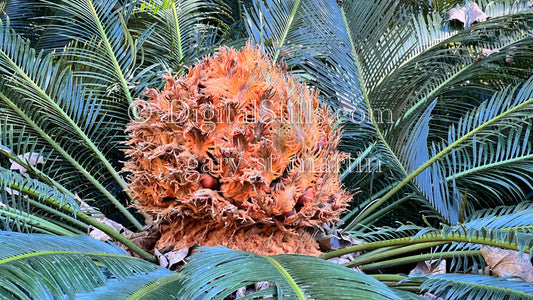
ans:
(437, 120)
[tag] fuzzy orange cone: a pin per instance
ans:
(237, 153)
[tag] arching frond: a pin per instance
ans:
(39, 93)
(184, 31)
(496, 163)
(218, 272)
(25, 17)
(52, 267)
(466, 286)
(503, 217)
(107, 46)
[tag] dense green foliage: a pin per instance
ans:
(437, 122)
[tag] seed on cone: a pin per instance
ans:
(307, 196)
(208, 181)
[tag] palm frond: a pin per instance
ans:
(465, 286)
(35, 206)
(24, 16)
(460, 242)
(501, 8)
(218, 272)
(184, 31)
(503, 217)
(300, 33)
(40, 93)
(510, 105)
(458, 62)
(52, 267)
(26, 204)
(497, 168)
(25, 184)
(514, 219)
(106, 46)
(495, 151)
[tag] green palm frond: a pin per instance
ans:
(234, 15)
(514, 219)
(510, 105)
(29, 205)
(418, 34)
(493, 168)
(38, 92)
(301, 33)
(501, 8)
(458, 63)
(25, 184)
(218, 272)
(466, 286)
(104, 46)
(492, 150)
(51, 267)
(25, 17)
(518, 216)
(388, 247)
(184, 31)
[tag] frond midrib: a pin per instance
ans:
(153, 286)
(66, 155)
(64, 252)
(413, 259)
(178, 31)
(292, 283)
(286, 31)
(484, 167)
(365, 95)
(427, 238)
(431, 95)
(111, 52)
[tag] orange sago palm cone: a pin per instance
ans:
(237, 153)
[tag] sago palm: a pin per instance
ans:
(436, 120)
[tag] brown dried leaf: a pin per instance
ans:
(431, 296)
(101, 236)
(99, 217)
(148, 241)
(32, 158)
(170, 260)
(430, 267)
(176, 257)
(344, 260)
(458, 14)
(487, 52)
(334, 240)
(474, 14)
(503, 262)
(252, 289)
(163, 260)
